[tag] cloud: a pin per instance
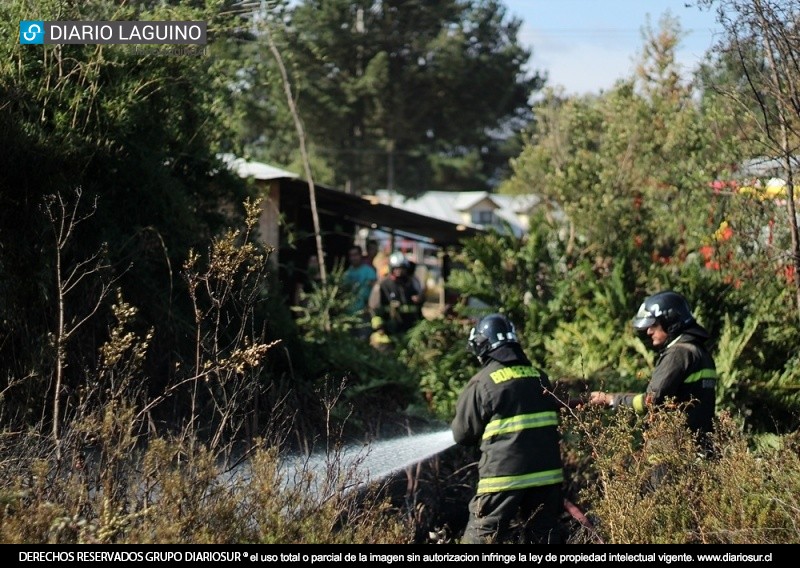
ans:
(593, 61)
(585, 68)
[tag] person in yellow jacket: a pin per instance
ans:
(507, 409)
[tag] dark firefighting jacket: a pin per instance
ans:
(394, 305)
(507, 411)
(684, 372)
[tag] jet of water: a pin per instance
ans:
(353, 466)
(380, 459)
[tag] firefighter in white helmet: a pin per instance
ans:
(396, 299)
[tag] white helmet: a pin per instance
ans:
(397, 260)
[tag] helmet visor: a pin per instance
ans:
(472, 345)
(643, 319)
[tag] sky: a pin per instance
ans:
(585, 46)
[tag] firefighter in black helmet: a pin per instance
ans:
(508, 411)
(684, 372)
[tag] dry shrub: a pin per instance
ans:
(650, 485)
(174, 497)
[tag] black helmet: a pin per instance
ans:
(492, 331)
(668, 308)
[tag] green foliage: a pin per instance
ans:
(574, 319)
(136, 128)
(325, 308)
(572, 316)
(507, 272)
(376, 385)
(436, 351)
(756, 380)
(594, 342)
(630, 168)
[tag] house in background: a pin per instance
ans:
(477, 209)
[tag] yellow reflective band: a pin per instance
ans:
(407, 309)
(520, 422)
(518, 372)
(380, 338)
(511, 482)
(638, 404)
(702, 374)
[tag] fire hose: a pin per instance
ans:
(578, 515)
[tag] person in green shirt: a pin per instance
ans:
(359, 278)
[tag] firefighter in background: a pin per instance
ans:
(396, 300)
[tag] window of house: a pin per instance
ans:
(482, 217)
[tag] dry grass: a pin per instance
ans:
(177, 491)
(647, 484)
(161, 495)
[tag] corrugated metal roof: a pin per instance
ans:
(257, 170)
(370, 212)
(767, 167)
(363, 211)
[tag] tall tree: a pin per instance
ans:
(410, 95)
(260, 116)
(770, 29)
(137, 129)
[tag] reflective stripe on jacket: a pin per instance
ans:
(685, 372)
(507, 410)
